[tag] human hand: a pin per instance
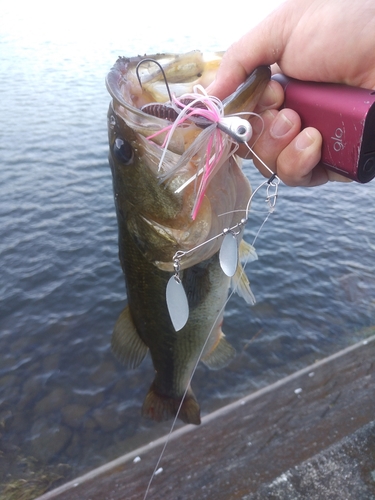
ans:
(304, 47)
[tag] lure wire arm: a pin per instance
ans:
(235, 230)
(240, 131)
(271, 199)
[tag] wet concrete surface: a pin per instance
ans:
(307, 432)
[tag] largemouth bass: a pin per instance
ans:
(154, 202)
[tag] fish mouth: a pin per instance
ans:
(130, 98)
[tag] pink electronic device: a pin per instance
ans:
(345, 116)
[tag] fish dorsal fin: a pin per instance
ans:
(241, 285)
(126, 343)
(221, 354)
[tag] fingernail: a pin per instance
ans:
(304, 140)
(280, 126)
(267, 100)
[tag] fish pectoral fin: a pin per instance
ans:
(247, 252)
(221, 354)
(126, 343)
(159, 407)
(241, 285)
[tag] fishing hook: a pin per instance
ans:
(149, 59)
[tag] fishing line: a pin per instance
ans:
(183, 398)
(178, 256)
(273, 181)
(184, 395)
(261, 227)
(193, 373)
(220, 131)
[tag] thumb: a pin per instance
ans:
(263, 45)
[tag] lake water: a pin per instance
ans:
(66, 404)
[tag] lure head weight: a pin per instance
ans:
(239, 129)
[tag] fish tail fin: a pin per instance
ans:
(159, 407)
(190, 411)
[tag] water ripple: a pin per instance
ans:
(61, 286)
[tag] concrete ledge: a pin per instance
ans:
(343, 471)
(247, 443)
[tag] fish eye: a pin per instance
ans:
(123, 151)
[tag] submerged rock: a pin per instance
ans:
(73, 415)
(48, 441)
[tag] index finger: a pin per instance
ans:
(263, 45)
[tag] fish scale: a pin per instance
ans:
(155, 222)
